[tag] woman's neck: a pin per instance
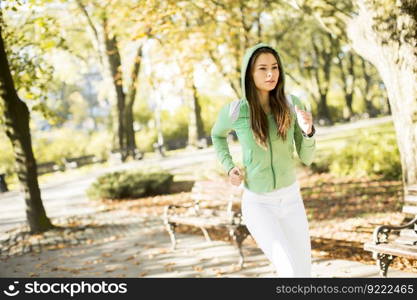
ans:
(264, 100)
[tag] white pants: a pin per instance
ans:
(278, 223)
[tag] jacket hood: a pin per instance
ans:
(246, 58)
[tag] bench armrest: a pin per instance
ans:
(382, 232)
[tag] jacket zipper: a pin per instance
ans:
(270, 155)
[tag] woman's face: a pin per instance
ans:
(265, 72)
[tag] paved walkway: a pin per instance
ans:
(125, 244)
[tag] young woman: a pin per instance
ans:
(268, 123)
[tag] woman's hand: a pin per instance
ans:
(236, 176)
(305, 120)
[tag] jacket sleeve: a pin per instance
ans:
(219, 133)
(305, 146)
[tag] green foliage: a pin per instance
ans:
(366, 155)
(99, 144)
(70, 143)
(142, 112)
(130, 184)
(145, 139)
(30, 35)
(175, 125)
(210, 107)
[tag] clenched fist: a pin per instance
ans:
(236, 176)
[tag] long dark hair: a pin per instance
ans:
(277, 101)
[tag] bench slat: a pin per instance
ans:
(199, 221)
(412, 189)
(409, 209)
(211, 200)
(408, 232)
(410, 199)
(406, 240)
(393, 249)
(209, 197)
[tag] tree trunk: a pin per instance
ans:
(199, 120)
(18, 131)
(113, 56)
(192, 117)
(348, 81)
(130, 100)
(323, 82)
(323, 112)
(396, 61)
(370, 108)
(350, 84)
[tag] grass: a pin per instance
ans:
(337, 141)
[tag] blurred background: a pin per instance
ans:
(128, 77)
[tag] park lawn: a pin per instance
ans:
(332, 143)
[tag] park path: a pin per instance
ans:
(126, 244)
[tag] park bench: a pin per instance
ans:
(75, 162)
(403, 242)
(47, 167)
(212, 207)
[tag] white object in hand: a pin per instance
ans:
(300, 119)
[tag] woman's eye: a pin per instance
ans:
(275, 68)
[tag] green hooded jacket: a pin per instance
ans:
(265, 170)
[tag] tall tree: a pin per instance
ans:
(114, 62)
(369, 82)
(130, 100)
(109, 41)
(346, 64)
(386, 36)
(310, 63)
(16, 114)
(384, 33)
(324, 49)
(184, 29)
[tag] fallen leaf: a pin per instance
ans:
(198, 268)
(110, 268)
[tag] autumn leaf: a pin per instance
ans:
(110, 268)
(198, 268)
